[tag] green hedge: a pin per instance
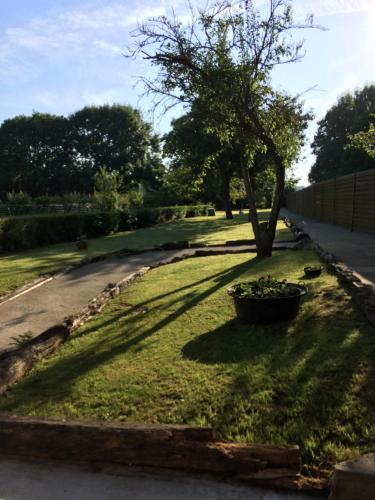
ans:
(35, 230)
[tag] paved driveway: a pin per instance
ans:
(356, 249)
(25, 480)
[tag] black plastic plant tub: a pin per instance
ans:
(313, 272)
(268, 310)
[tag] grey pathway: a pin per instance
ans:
(49, 304)
(355, 249)
(22, 480)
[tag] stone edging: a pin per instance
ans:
(45, 278)
(270, 466)
(176, 245)
(361, 289)
(192, 449)
(15, 364)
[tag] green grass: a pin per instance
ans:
(19, 268)
(170, 350)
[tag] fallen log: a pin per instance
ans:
(165, 446)
(14, 365)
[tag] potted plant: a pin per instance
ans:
(267, 300)
(313, 271)
(82, 243)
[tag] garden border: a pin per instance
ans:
(174, 245)
(16, 362)
(178, 447)
(360, 288)
(148, 446)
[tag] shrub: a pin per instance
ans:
(107, 185)
(20, 198)
(30, 231)
(264, 287)
(146, 216)
(196, 210)
(131, 199)
(128, 221)
(27, 231)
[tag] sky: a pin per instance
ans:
(57, 56)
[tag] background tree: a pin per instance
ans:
(191, 145)
(222, 62)
(48, 154)
(352, 114)
(118, 137)
(35, 155)
(363, 142)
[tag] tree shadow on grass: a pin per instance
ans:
(291, 382)
(295, 383)
(234, 342)
(56, 381)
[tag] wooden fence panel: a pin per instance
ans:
(327, 201)
(347, 201)
(364, 206)
(316, 209)
(344, 201)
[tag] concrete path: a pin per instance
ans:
(47, 305)
(355, 249)
(23, 480)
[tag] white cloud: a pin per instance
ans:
(78, 30)
(105, 46)
(322, 8)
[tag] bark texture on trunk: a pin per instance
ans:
(226, 197)
(264, 232)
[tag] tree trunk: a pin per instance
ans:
(226, 198)
(264, 233)
(264, 248)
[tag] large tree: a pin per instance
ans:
(117, 137)
(222, 62)
(35, 155)
(48, 154)
(352, 114)
(191, 145)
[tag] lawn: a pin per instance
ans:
(170, 350)
(19, 268)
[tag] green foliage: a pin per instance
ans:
(169, 350)
(30, 231)
(48, 154)
(264, 287)
(107, 187)
(238, 191)
(16, 269)
(198, 153)
(180, 185)
(18, 198)
(22, 339)
(221, 63)
(131, 199)
(363, 142)
(337, 147)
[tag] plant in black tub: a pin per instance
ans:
(313, 271)
(267, 299)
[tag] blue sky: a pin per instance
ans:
(59, 55)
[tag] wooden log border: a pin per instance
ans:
(16, 363)
(191, 449)
(172, 447)
(45, 278)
